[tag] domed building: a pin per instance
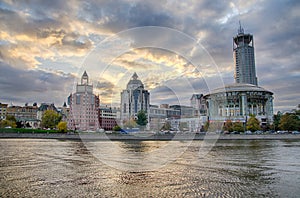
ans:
(236, 102)
(134, 99)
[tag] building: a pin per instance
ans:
(22, 113)
(185, 111)
(134, 99)
(64, 112)
(43, 107)
(244, 61)
(26, 116)
(158, 116)
(199, 104)
(3, 110)
(84, 107)
(236, 102)
(108, 117)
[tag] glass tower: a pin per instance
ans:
(243, 54)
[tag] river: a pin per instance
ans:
(231, 168)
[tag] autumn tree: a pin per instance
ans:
(238, 126)
(62, 126)
(253, 124)
(166, 126)
(228, 126)
(130, 123)
(289, 122)
(50, 119)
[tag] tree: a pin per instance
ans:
(206, 126)
(228, 126)
(11, 118)
(50, 119)
(7, 123)
(166, 126)
(62, 126)
(289, 122)
(116, 128)
(276, 120)
(130, 123)
(238, 126)
(253, 124)
(142, 118)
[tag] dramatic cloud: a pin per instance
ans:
(45, 46)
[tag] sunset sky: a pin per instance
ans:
(176, 47)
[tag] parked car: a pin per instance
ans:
(248, 133)
(295, 132)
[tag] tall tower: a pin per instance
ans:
(134, 98)
(84, 106)
(243, 54)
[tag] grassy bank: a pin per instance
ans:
(23, 130)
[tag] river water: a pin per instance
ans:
(232, 168)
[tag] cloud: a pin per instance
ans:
(19, 85)
(40, 38)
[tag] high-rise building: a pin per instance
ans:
(84, 106)
(243, 53)
(134, 99)
(238, 101)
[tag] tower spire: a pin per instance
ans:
(240, 30)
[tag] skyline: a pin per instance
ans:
(43, 47)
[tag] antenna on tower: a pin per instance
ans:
(240, 30)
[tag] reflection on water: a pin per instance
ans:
(52, 168)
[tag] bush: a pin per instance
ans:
(62, 126)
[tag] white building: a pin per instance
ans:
(134, 99)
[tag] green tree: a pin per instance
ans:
(276, 120)
(62, 126)
(116, 128)
(50, 119)
(142, 118)
(228, 126)
(7, 123)
(238, 126)
(11, 118)
(253, 124)
(206, 126)
(289, 122)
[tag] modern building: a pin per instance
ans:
(84, 105)
(108, 117)
(185, 111)
(158, 116)
(134, 99)
(236, 102)
(244, 61)
(199, 104)
(3, 110)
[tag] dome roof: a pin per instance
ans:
(239, 87)
(134, 82)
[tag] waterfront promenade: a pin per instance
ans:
(147, 137)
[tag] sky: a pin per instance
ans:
(177, 48)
